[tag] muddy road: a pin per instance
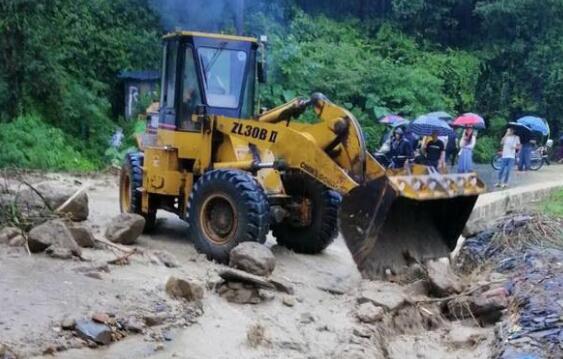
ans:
(320, 320)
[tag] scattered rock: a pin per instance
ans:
(134, 325)
(82, 235)
(462, 336)
(369, 313)
(362, 332)
(152, 320)
(125, 228)
(55, 194)
(240, 293)
(442, 279)
(288, 300)
(17, 241)
(102, 318)
(8, 233)
(59, 253)
(230, 274)
(188, 289)
(53, 233)
(417, 289)
(68, 324)
(256, 335)
(253, 257)
(89, 330)
(384, 294)
(167, 259)
(306, 318)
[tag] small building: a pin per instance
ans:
(137, 84)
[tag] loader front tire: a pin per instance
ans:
(323, 227)
(225, 208)
(131, 178)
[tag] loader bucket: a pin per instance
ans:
(394, 221)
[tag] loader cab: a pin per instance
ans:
(210, 73)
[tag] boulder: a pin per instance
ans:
(125, 228)
(384, 294)
(82, 235)
(8, 233)
(253, 257)
(90, 330)
(188, 289)
(54, 234)
(369, 313)
(442, 279)
(55, 194)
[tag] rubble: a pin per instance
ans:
(256, 335)
(90, 330)
(384, 294)
(102, 318)
(188, 289)
(369, 313)
(54, 234)
(68, 324)
(487, 310)
(82, 235)
(288, 301)
(125, 228)
(166, 258)
(59, 252)
(235, 275)
(240, 293)
(134, 325)
(55, 194)
(254, 258)
(442, 279)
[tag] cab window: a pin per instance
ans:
(223, 75)
(191, 94)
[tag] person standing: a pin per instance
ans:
(510, 143)
(466, 145)
(451, 149)
(434, 151)
(400, 150)
(525, 152)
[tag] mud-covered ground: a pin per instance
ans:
(319, 321)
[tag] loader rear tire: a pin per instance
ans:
(131, 178)
(323, 229)
(225, 208)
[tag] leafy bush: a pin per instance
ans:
(28, 142)
(485, 148)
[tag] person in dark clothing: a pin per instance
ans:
(434, 151)
(400, 149)
(525, 152)
(451, 148)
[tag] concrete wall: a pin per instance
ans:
(492, 206)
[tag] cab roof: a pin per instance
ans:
(209, 36)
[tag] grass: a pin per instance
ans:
(554, 205)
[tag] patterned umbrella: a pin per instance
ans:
(469, 120)
(535, 124)
(390, 119)
(426, 125)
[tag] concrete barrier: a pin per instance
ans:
(492, 206)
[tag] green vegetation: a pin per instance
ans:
(60, 59)
(554, 206)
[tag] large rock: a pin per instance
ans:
(188, 289)
(369, 313)
(234, 275)
(88, 329)
(240, 293)
(253, 258)
(82, 235)
(442, 279)
(384, 294)
(54, 234)
(125, 228)
(55, 194)
(8, 233)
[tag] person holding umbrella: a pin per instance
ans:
(466, 145)
(535, 126)
(434, 150)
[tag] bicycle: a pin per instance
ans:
(536, 162)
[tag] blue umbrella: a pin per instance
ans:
(535, 124)
(426, 125)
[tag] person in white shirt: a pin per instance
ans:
(510, 143)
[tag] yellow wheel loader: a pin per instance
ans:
(234, 175)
